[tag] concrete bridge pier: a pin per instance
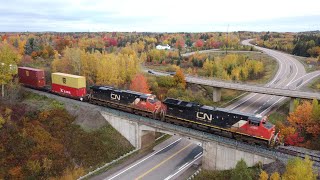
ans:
(218, 156)
(291, 106)
(216, 94)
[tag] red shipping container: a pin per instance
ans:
(69, 91)
(31, 77)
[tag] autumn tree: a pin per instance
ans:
(263, 176)
(275, 176)
(299, 169)
(139, 83)
(180, 78)
(8, 64)
(305, 119)
(199, 44)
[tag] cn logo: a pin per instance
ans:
(64, 80)
(115, 97)
(204, 116)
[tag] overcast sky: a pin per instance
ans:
(160, 15)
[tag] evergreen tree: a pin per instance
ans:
(241, 172)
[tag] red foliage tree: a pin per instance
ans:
(294, 139)
(179, 44)
(199, 43)
(139, 83)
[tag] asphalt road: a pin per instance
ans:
(168, 161)
(291, 73)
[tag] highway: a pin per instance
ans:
(168, 161)
(291, 74)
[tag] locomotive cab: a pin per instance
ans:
(258, 126)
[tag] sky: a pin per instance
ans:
(159, 16)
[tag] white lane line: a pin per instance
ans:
(315, 72)
(197, 155)
(142, 160)
(183, 166)
(188, 164)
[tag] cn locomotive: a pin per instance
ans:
(249, 128)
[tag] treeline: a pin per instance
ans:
(115, 69)
(300, 44)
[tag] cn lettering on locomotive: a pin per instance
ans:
(115, 96)
(204, 116)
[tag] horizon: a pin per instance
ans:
(167, 16)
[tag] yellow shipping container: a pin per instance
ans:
(69, 80)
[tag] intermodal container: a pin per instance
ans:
(69, 91)
(31, 77)
(69, 80)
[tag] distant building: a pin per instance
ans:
(163, 47)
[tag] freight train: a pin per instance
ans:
(240, 126)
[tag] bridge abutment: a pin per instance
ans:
(222, 157)
(216, 94)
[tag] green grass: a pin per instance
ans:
(315, 85)
(305, 61)
(276, 116)
(223, 175)
(41, 102)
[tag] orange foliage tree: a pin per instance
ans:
(305, 119)
(139, 83)
(180, 78)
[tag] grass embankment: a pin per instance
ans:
(310, 64)
(48, 144)
(315, 85)
(226, 174)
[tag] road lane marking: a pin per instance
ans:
(183, 166)
(172, 175)
(142, 160)
(197, 155)
(162, 162)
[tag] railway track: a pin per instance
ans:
(301, 152)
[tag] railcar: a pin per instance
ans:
(69, 85)
(241, 126)
(31, 77)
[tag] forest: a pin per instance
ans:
(305, 44)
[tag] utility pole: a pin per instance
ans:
(227, 39)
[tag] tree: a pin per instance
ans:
(275, 176)
(8, 63)
(263, 176)
(139, 83)
(241, 172)
(179, 78)
(199, 44)
(299, 169)
(305, 119)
